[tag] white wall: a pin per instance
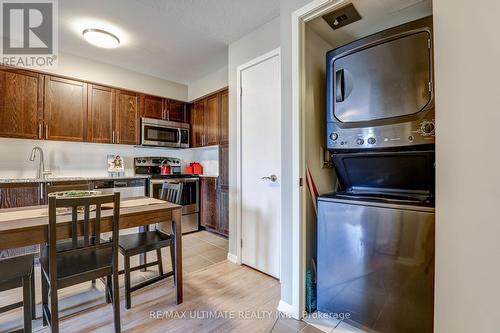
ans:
(315, 131)
(257, 43)
(85, 69)
(468, 166)
(69, 159)
(287, 7)
(208, 84)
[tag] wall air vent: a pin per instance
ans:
(342, 17)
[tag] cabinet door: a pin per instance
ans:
(101, 111)
(19, 195)
(152, 107)
(212, 121)
(21, 108)
(65, 111)
(208, 202)
(223, 200)
(197, 124)
(127, 118)
(176, 111)
(224, 165)
(224, 117)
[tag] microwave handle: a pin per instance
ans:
(339, 86)
(179, 135)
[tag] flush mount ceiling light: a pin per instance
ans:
(101, 38)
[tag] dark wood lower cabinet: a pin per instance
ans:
(19, 195)
(214, 206)
(208, 203)
(223, 218)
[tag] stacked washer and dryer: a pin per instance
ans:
(375, 255)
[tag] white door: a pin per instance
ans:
(260, 158)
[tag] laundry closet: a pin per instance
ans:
(370, 145)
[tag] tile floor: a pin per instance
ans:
(313, 324)
(200, 251)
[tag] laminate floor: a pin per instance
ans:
(218, 297)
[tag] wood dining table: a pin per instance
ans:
(27, 226)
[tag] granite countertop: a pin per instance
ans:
(65, 179)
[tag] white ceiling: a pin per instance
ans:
(376, 15)
(178, 40)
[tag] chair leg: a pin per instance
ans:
(116, 302)
(172, 257)
(93, 282)
(54, 309)
(45, 298)
(33, 294)
(27, 303)
(108, 289)
(127, 282)
(160, 262)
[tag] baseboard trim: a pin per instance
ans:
(232, 258)
(288, 310)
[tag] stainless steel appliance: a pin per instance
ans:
(189, 198)
(161, 133)
(380, 90)
(128, 188)
(376, 263)
(375, 237)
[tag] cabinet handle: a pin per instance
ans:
(117, 136)
(46, 131)
(113, 137)
(40, 131)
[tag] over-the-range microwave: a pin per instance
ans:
(161, 133)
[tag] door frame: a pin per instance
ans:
(300, 17)
(239, 194)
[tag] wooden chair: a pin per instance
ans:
(85, 259)
(18, 272)
(139, 243)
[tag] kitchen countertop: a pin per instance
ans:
(65, 179)
(208, 176)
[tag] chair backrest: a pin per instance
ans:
(171, 192)
(68, 187)
(82, 226)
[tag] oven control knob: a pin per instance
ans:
(334, 136)
(360, 141)
(428, 128)
(371, 141)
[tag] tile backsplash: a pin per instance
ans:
(69, 159)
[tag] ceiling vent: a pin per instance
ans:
(342, 17)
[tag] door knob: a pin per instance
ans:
(272, 178)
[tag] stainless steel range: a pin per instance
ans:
(189, 198)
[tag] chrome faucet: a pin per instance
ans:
(41, 173)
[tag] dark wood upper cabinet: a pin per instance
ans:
(21, 104)
(208, 202)
(102, 102)
(127, 108)
(152, 107)
(176, 111)
(212, 120)
(224, 117)
(65, 109)
(197, 124)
